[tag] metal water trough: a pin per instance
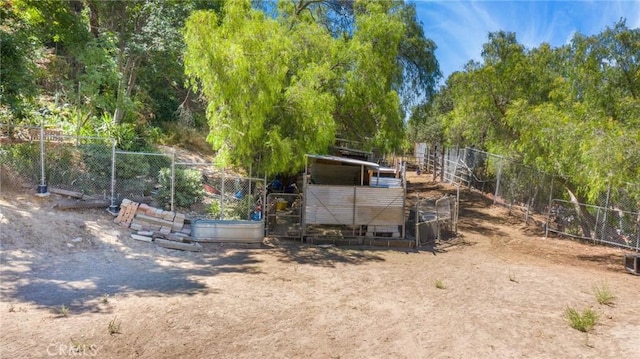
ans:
(632, 263)
(227, 231)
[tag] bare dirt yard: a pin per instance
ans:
(73, 283)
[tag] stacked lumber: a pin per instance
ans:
(78, 200)
(165, 228)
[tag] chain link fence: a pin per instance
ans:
(613, 218)
(284, 215)
(611, 226)
(36, 156)
(40, 158)
(196, 188)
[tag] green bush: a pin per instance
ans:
(63, 165)
(132, 166)
(240, 209)
(24, 158)
(97, 159)
(188, 187)
(214, 209)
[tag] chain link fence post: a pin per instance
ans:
(495, 196)
(173, 177)
(42, 190)
(113, 208)
(603, 235)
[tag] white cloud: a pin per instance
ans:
(459, 28)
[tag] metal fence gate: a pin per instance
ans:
(432, 218)
(283, 215)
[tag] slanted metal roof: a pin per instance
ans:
(351, 161)
(387, 170)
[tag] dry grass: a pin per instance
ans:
(603, 294)
(584, 321)
(114, 326)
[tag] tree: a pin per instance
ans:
(265, 100)
(284, 80)
(16, 62)
(115, 67)
(571, 111)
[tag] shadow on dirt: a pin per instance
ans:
(78, 281)
(613, 260)
(324, 256)
(478, 221)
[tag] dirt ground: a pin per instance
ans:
(73, 283)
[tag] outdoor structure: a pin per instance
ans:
(431, 217)
(349, 198)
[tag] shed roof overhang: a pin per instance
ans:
(351, 161)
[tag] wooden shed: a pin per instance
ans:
(350, 196)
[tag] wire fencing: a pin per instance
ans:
(93, 167)
(611, 226)
(613, 219)
(433, 219)
(34, 156)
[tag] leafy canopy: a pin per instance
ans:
(286, 79)
(572, 111)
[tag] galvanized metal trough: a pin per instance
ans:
(227, 231)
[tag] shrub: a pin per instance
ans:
(188, 187)
(114, 326)
(603, 294)
(24, 158)
(584, 321)
(214, 209)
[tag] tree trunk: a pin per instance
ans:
(125, 87)
(94, 20)
(587, 221)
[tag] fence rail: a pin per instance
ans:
(610, 226)
(533, 194)
(93, 166)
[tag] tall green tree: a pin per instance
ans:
(16, 62)
(284, 79)
(571, 111)
(117, 65)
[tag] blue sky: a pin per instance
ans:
(459, 28)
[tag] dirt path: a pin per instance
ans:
(69, 278)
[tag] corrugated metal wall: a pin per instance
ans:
(353, 205)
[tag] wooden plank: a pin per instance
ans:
(193, 247)
(73, 194)
(74, 203)
(379, 206)
(329, 204)
(178, 237)
(123, 209)
(118, 219)
(138, 237)
(130, 213)
(158, 221)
